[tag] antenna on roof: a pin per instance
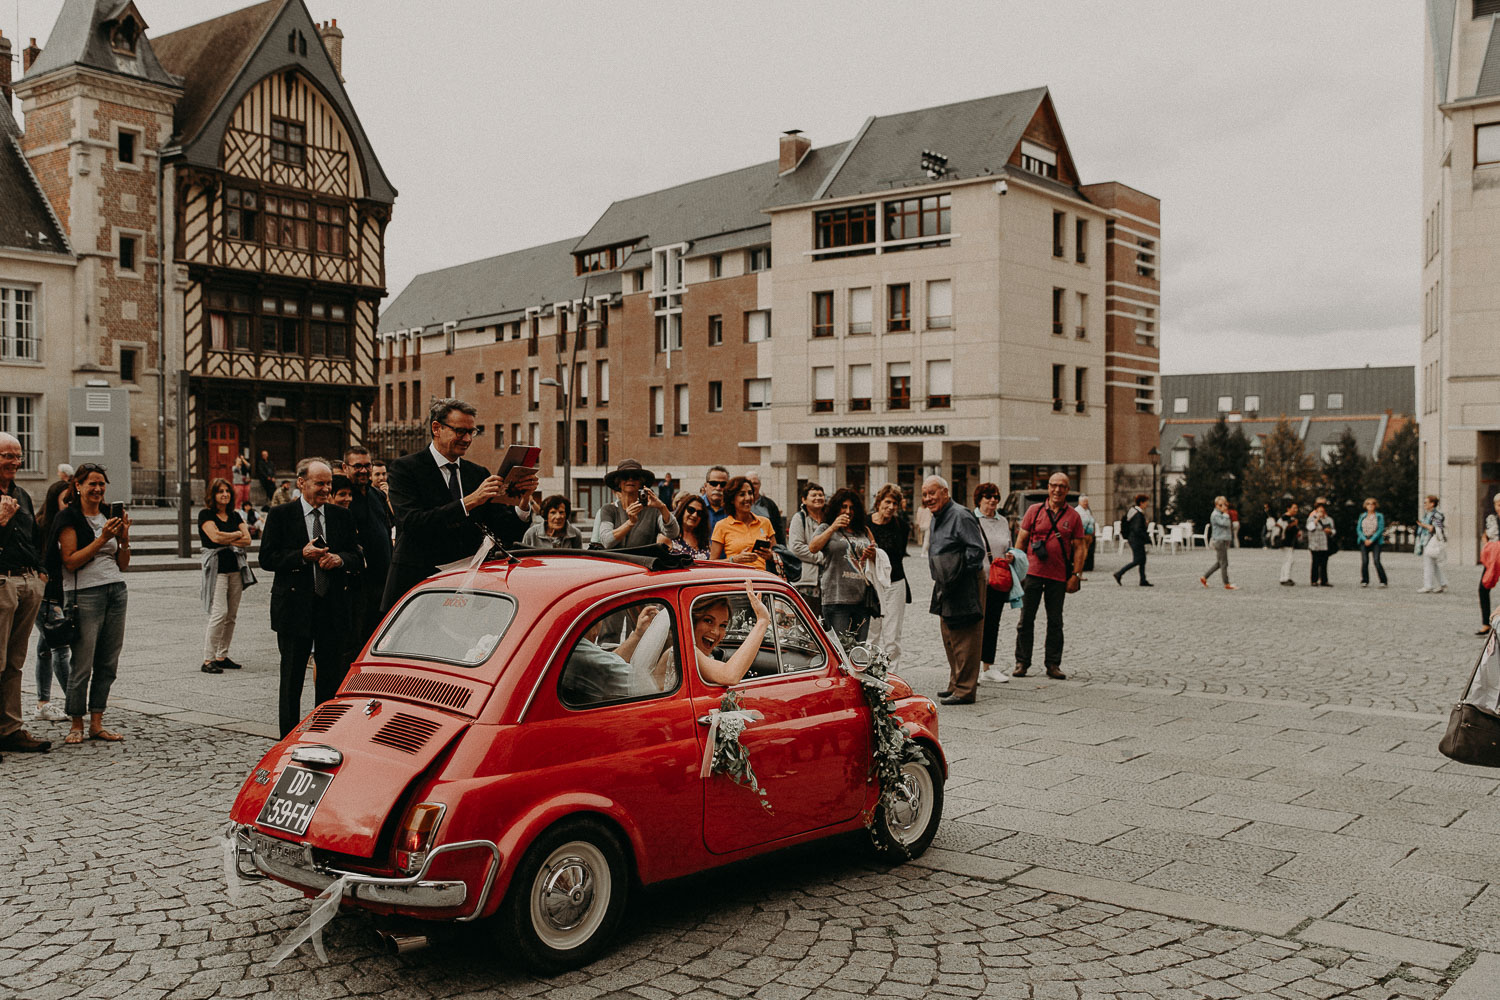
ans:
(934, 165)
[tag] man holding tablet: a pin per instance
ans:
(442, 501)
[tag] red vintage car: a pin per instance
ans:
(525, 745)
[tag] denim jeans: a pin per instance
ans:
(1366, 553)
(96, 654)
(843, 617)
(50, 661)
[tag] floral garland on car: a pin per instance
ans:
(891, 746)
(724, 753)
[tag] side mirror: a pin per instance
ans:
(860, 656)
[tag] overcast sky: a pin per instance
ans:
(1284, 138)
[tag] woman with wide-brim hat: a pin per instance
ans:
(637, 516)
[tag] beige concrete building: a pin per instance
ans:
(1459, 375)
(940, 307)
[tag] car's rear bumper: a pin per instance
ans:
(294, 864)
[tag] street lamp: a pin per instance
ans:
(1155, 456)
(587, 327)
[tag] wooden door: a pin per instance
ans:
(223, 448)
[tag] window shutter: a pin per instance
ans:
(939, 378)
(861, 382)
(822, 383)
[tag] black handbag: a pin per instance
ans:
(59, 622)
(1473, 735)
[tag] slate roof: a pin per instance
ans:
(27, 216)
(1365, 391)
(207, 56)
(974, 135)
(496, 289)
(1489, 70)
(77, 38)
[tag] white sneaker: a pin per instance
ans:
(1001, 677)
(1425, 590)
(48, 712)
(1441, 589)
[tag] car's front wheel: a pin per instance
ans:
(567, 896)
(907, 820)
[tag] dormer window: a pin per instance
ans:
(124, 36)
(288, 142)
(1038, 159)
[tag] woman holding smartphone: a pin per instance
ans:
(94, 544)
(846, 545)
(637, 516)
(744, 536)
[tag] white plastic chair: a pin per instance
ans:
(1106, 535)
(1177, 534)
(1199, 536)
(1155, 535)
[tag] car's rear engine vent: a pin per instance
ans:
(407, 733)
(419, 689)
(325, 716)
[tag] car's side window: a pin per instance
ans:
(722, 622)
(800, 648)
(625, 654)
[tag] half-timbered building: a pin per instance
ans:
(279, 209)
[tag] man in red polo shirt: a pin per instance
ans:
(1051, 535)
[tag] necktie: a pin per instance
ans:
(320, 578)
(453, 487)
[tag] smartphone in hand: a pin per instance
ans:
(116, 510)
(320, 542)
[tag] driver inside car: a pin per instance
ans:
(641, 663)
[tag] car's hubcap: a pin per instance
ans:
(567, 892)
(910, 805)
(570, 895)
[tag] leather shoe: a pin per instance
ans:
(211, 668)
(1020, 671)
(227, 664)
(1147, 583)
(945, 694)
(1056, 674)
(21, 741)
(952, 700)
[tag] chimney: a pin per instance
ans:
(28, 56)
(794, 146)
(333, 41)
(5, 90)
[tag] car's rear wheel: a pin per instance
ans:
(907, 820)
(567, 897)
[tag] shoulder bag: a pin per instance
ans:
(58, 620)
(1473, 735)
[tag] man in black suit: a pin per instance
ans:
(1137, 533)
(310, 600)
(373, 520)
(441, 501)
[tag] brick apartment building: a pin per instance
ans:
(946, 296)
(225, 216)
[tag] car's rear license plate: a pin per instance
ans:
(291, 804)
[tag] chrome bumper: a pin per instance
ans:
(294, 863)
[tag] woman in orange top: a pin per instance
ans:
(744, 536)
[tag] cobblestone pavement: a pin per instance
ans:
(1234, 795)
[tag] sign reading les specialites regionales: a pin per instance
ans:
(893, 430)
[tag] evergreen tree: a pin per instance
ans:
(1217, 468)
(1344, 474)
(1392, 479)
(1283, 468)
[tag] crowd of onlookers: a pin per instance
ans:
(345, 539)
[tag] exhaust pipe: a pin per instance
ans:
(401, 944)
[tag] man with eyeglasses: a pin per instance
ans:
(443, 502)
(1051, 535)
(21, 584)
(373, 520)
(713, 496)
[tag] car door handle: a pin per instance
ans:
(705, 720)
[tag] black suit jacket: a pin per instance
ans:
(432, 528)
(373, 520)
(295, 607)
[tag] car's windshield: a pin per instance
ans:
(447, 625)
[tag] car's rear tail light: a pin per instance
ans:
(416, 835)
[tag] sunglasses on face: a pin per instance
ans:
(718, 484)
(695, 511)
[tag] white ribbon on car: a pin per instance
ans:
(725, 725)
(325, 908)
(467, 583)
(231, 868)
